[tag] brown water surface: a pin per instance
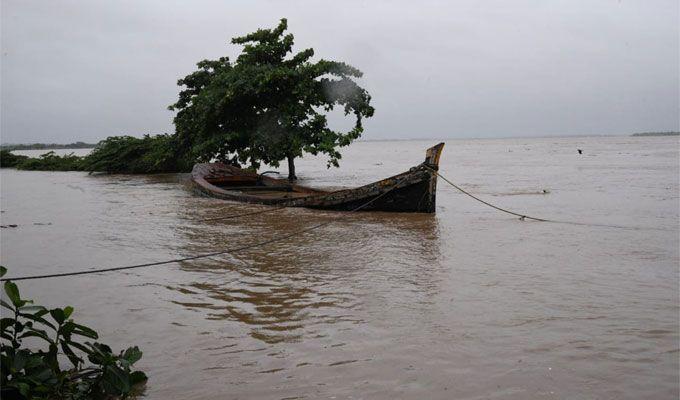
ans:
(467, 303)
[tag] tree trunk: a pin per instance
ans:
(291, 168)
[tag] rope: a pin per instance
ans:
(217, 253)
(521, 216)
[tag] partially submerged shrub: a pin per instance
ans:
(50, 161)
(10, 160)
(28, 373)
(127, 154)
(116, 154)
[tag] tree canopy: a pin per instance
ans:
(269, 105)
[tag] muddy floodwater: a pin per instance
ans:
(467, 303)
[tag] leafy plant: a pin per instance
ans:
(9, 160)
(116, 154)
(28, 373)
(52, 162)
(127, 154)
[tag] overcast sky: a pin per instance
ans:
(84, 70)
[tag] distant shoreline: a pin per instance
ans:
(656, 134)
(47, 146)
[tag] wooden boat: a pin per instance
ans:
(410, 191)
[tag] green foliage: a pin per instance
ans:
(265, 106)
(116, 154)
(52, 162)
(9, 160)
(127, 154)
(38, 374)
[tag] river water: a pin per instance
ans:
(467, 303)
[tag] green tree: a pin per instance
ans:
(269, 105)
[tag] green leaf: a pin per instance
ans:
(34, 361)
(68, 310)
(36, 333)
(58, 315)
(20, 360)
(132, 355)
(100, 354)
(13, 293)
(138, 377)
(6, 305)
(67, 328)
(52, 357)
(75, 360)
(31, 309)
(83, 330)
(3, 271)
(6, 323)
(24, 388)
(41, 312)
(116, 379)
(43, 374)
(80, 347)
(37, 317)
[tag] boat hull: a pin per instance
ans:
(411, 191)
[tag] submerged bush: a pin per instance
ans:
(127, 154)
(9, 160)
(30, 373)
(52, 162)
(116, 154)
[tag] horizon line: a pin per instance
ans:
(536, 136)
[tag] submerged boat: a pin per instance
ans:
(410, 191)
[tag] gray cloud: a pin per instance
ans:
(84, 70)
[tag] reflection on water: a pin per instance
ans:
(284, 289)
(467, 303)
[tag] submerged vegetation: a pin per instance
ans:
(39, 373)
(131, 155)
(9, 160)
(117, 154)
(49, 162)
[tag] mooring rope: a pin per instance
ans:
(521, 216)
(524, 216)
(217, 253)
